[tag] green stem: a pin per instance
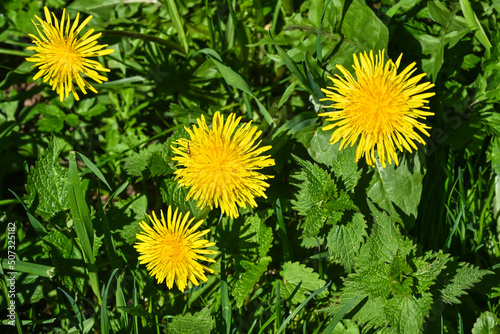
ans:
(145, 37)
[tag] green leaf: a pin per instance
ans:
(255, 232)
(234, 79)
(67, 260)
(245, 283)
(344, 241)
(474, 23)
(47, 184)
(82, 222)
(136, 163)
(407, 314)
(320, 149)
(176, 19)
(294, 274)
(398, 188)
(487, 323)
(345, 168)
(175, 195)
(124, 216)
(94, 169)
(198, 323)
(465, 278)
(53, 118)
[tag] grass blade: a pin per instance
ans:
(82, 222)
(474, 23)
(31, 268)
(331, 326)
(177, 21)
(300, 307)
(94, 169)
(104, 309)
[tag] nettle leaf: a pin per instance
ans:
(173, 194)
(346, 168)
(124, 216)
(67, 259)
(400, 186)
(407, 314)
(245, 283)
(319, 146)
(318, 198)
(255, 232)
(47, 186)
(427, 273)
(465, 277)
(487, 323)
(137, 163)
(199, 323)
(344, 241)
(385, 240)
(295, 274)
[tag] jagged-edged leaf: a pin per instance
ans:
(245, 283)
(427, 272)
(344, 241)
(346, 168)
(407, 314)
(68, 260)
(255, 232)
(136, 163)
(466, 276)
(295, 274)
(47, 185)
(385, 239)
(487, 323)
(198, 323)
(175, 195)
(124, 216)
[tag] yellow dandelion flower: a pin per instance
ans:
(62, 57)
(220, 165)
(380, 107)
(172, 250)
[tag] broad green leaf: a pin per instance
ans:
(363, 29)
(245, 283)
(345, 167)
(294, 274)
(397, 189)
(255, 232)
(200, 323)
(320, 149)
(487, 323)
(47, 184)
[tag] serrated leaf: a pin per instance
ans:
(67, 259)
(344, 241)
(345, 167)
(47, 182)
(245, 283)
(426, 273)
(125, 215)
(255, 232)
(293, 274)
(465, 278)
(320, 149)
(487, 323)
(407, 314)
(400, 186)
(198, 323)
(136, 163)
(157, 164)
(385, 240)
(174, 195)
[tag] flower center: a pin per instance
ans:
(174, 248)
(377, 106)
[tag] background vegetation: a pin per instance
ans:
(337, 247)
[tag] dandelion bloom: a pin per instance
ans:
(62, 57)
(220, 165)
(380, 107)
(171, 249)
